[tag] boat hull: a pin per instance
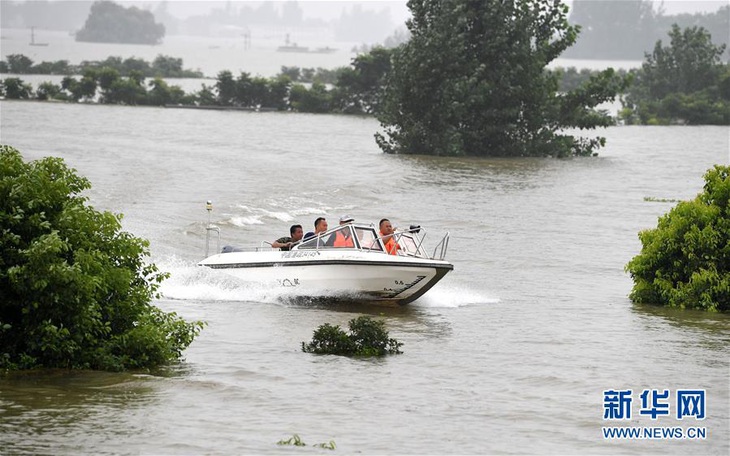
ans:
(353, 275)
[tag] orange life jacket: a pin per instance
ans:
(391, 246)
(342, 241)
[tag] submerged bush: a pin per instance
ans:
(295, 440)
(685, 261)
(367, 337)
(75, 290)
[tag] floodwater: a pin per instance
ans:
(511, 353)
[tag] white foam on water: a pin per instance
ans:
(245, 221)
(188, 281)
(283, 216)
(309, 211)
(454, 296)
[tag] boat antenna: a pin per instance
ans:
(210, 227)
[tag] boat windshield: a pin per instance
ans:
(368, 239)
(342, 237)
(410, 245)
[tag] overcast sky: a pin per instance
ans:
(331, 9)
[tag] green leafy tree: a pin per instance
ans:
(19, 64)
(685, 261)
(128, 91)
(161, 93)
(87, 86)
(226, 86)
(316, 99)
(16, 89)
(205, 96)
(57, 67)
(690, 63)
(72, 88)
(278, 93)
(472, 80)
(106, 78)
(359, 87)
(133, 64)
(167, 67)
(75, 290)
(244, 90)
(109, 22)
(681, 83)
(47, 91)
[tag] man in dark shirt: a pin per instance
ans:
(285, 243)
(320, 226)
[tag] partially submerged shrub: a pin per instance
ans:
(367, 337)
(75, 290)
(685, 261)
(295, 440)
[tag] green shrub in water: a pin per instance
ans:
(295, 440)
(685, 261)
(367, 337)
(75, 290)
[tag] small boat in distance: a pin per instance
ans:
(291, 47)
(362, 271)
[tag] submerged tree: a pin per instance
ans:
(75, 290)
(685, 82)
(685, 261)
(367, 337)
(472, 80)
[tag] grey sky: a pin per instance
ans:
(331, 9)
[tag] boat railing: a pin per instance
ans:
(443, 246)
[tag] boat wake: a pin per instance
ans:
(447, 295)
(189, 282)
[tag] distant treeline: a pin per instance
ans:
(170, 67)
(352, 90)
(349, 90)
(163, 66)
(663, 90)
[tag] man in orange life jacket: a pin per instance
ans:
(343, 237)
(386, 233)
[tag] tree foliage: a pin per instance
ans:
(684, 82)
(359, 87)
(367, 337)
(472, 80)
(75, 290)
(15, 89)
(685, 261)
(109, 22)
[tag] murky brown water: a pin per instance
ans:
(511, 353)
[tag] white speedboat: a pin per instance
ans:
(362, 271)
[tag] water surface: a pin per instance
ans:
(509, 354)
